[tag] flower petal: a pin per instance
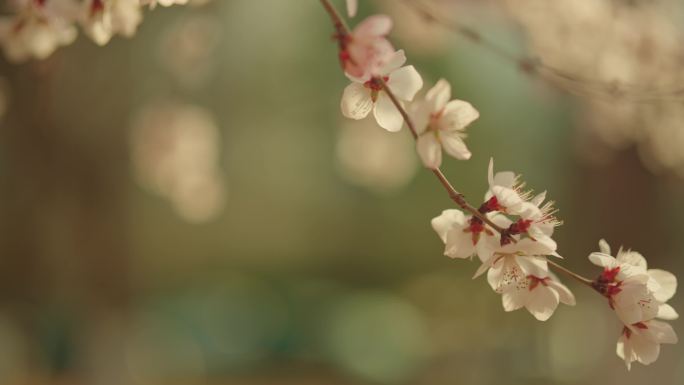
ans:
(662, 332)
(394, 61)
(542, 302)
(564, 294)
(632, 258)
(454, 146)
(352, 7)
(356, 101)
(459, 244)
(386, 114)
(405, 83)
(420, 115)
(667, 312)
(514, 299)
(429, 150)
(446, 220)
(603, 260)
(372, 26)
(604, 246)
(457, 114)
(438, 96)
(667, 282)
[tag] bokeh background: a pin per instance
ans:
(190, 207)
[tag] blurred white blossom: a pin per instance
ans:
(373, 158)
(175, 153)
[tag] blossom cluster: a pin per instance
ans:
(511, 232)
(515, 258)
(38, 27)
(371, 63)
(638, 295)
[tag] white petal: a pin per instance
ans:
(459, 244)
(356, 101)
(457, 115)
(667, 312)
(646, 351)
(373, 26)
(429, 150)
(528, 210)
(405, 83)
(604, 246)
(667, 282)
(624, 351)
(420, 115)
(352, 7)
(505, 178)
(603, 260)
(632, 258)
(455, 146)
(438, 96)
(564, 294)
(542, 302)
(514, 299)
(490, 172)
(506, 275)
(445, 221)
(538, 199)
(386, 114)
(394, 61)
(661, 332)
(485, 266)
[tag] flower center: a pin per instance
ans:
(535, 281)
(375, 83)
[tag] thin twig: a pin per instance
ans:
(572, 274)
(453, 193)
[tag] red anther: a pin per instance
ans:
(626, 331)
(641, 325)
(375, 84)
(344, 57)
(39, 3)
(519, 227)
(96, 7)
(609, 275)
(506, 238)
(475, 227)
(491, 205)
(535, 281)
(612, 290)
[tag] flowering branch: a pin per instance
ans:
(572, 274)
(511, 231)
(453, 193)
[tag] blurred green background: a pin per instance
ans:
(190, 207)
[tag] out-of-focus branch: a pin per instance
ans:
(569, 82)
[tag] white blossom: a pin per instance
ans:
(37, 29)
(463, 234)
(635, 292)
(364, 95)
(641, 342)
(366, 50)
(101, 19)
(441, 123)
(519, 272)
